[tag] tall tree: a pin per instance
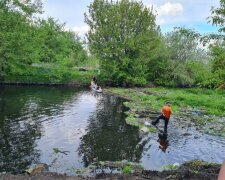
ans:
(218, 16)
(218, 49)
(183, 44)
(123, 35)
(57, 45)
(24, 7)
(16, 41)
(16, 33)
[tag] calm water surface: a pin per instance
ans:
(37, 122)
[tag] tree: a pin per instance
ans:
(218, 16)
(123, 35)
(26, 39)
(218, 49)
(181, 57)
(16, 41)
(183, 44)
(16, 33)
(26, 8)
(57, 45)
(218, 54)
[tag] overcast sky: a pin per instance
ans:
(185, 13)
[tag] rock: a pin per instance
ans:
(124, 161)
(176, 164)
(145, 129)
(206, 117)
(95, 159)
(147, 123)
(186, 134)
(82, 69)
(196, 136)
(40, 168)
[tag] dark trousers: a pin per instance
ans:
(166, 120)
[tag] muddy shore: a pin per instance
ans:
(190, 170)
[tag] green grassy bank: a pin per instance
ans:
(49, 75)
(201, 106)
(210, 101)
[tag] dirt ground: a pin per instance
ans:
(192, 170)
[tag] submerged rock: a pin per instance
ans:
(144, 129)
(40, 168)
(186, 134)
(147, 123)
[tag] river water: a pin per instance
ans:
(68, 128)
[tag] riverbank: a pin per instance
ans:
(191, 170)
(202, 109)
(49, 75)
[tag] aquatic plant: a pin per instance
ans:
(127, 170)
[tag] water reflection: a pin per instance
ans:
(108, 137)
(21, 123)
(163, 144)
(35, 120)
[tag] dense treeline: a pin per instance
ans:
(123, 36)
(34, 49)
(132, 50)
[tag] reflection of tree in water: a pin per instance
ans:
(20, 124)
(109, 137)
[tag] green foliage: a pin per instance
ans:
(170, 167)
(183, 60)
(26, 8)
(122, 35)
(199, 71)
(218, 16)
(44, 74)
(26, 40)
(127, 170)
(218, 53)
(16, 39)
(58, 45)
(182, 44)
(217, 49)
(126, 45)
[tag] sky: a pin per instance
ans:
(170, 13)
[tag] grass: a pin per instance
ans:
(210, 102)
(170, 167)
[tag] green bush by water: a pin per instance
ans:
(127, 170)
